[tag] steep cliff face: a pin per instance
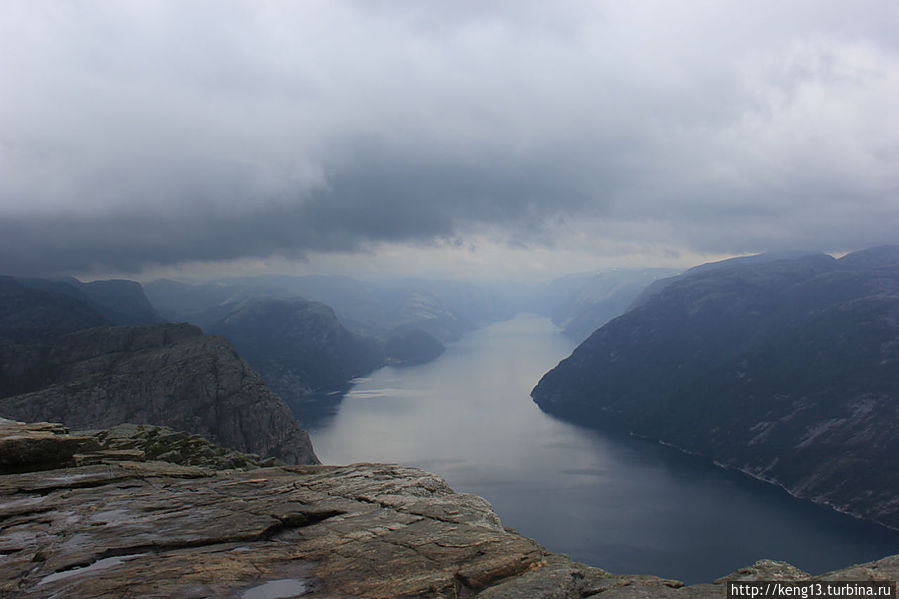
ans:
(159, 374)
(786, 369)
(123, 524)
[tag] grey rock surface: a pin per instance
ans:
(40, 445)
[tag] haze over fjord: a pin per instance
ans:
(513, 138)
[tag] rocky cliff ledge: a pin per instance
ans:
(123, 526)
(164, 374)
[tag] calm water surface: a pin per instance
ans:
(623, 504)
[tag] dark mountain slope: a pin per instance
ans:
(697, 322)
(884, 256)
(299, 347)
(756, 259)
(784, 369)
(815, 411)
(118, 301)
(28, 316)
(122, 302)
(27, 313)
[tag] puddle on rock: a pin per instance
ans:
(101, 564)
(276, 589)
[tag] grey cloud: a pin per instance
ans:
(378, 200)
(134, 134)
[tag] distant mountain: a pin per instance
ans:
(286, 327)
(353, 301)
(786, 368)
(444, 309)
(27, 314)
(200, 304)
(118, 301)
(299, 347)
(582, 303)
(447, 309)
(408, 346)
(59, 362)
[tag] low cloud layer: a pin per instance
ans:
(135, 134)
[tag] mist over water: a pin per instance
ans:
(623, 504)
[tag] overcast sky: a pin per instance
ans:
(452, 137)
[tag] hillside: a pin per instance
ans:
(785, 369)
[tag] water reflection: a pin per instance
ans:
(624, 504)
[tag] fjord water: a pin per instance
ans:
(623, 504)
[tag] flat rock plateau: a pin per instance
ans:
(144, 511)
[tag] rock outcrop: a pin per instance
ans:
(169, 375)
(31, 447)
(132, 528)
(39, 446)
